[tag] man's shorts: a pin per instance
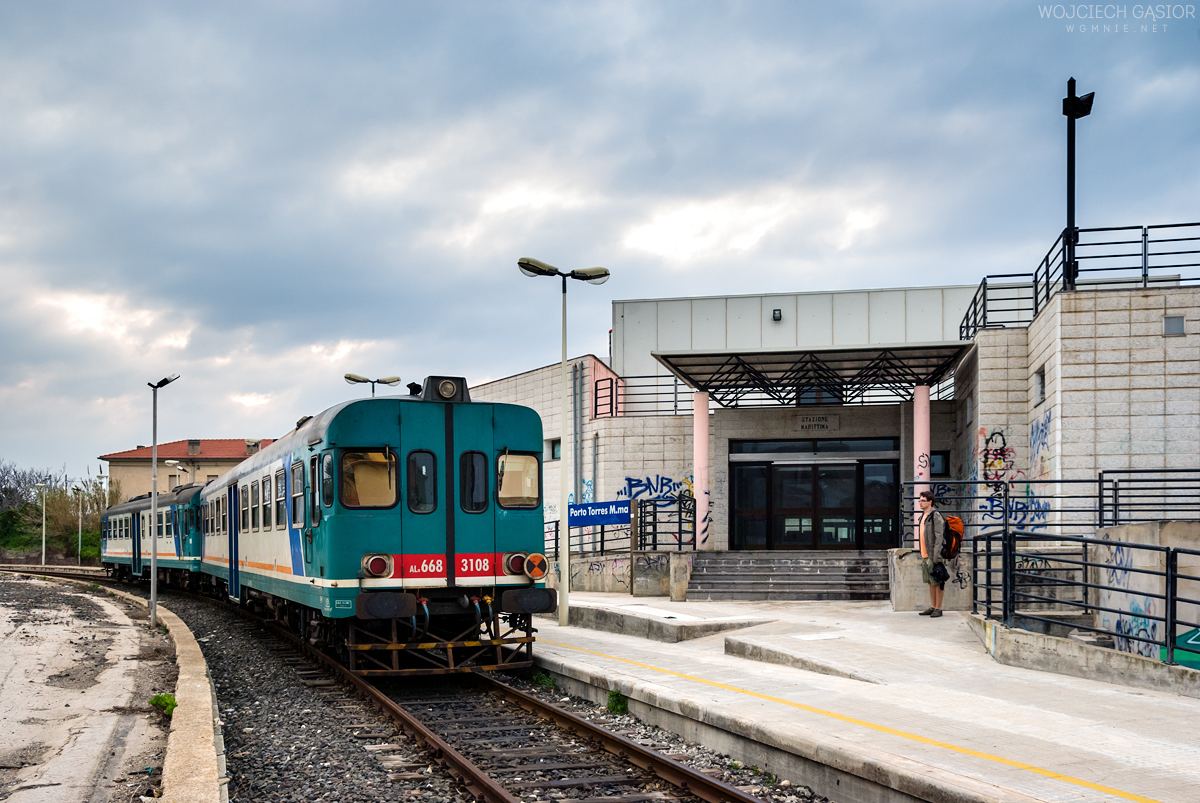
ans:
(926, 568)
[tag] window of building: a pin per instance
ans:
(554, 449)
(254, 503)
(266, 503)
(517, 481)
(211, 477)
(369, 478)
(1173, 325)
(422, 482)
(297, 494)
(280, 500)
(939, 464)
(1039, 386)
(472, 482)
(172, 480)
(244, 524)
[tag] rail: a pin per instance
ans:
(1094, 259)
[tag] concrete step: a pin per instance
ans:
(788, 595)
(798, 575)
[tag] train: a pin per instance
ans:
(404, 534)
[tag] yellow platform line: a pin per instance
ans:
(1008, 762)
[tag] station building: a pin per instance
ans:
(179, 462)
(793, 418)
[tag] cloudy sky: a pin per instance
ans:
(263, 196)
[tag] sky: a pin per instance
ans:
(264, 196)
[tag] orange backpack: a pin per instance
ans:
(953, 537)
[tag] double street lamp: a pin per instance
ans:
(535, 267)
(355, 379)
(154, 525)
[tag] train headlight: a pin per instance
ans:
(377, 565)
(447, 389)
(514, 563)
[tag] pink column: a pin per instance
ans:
(920, 443)
(700, 466)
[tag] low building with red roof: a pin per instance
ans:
(193, 460)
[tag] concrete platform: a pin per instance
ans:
(866, 704)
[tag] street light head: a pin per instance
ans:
(162, 383)
(355, 379)
(391, 381)
(171, 462)
(1084, 107)
(592, 275)
(39, 485)
(535, 267)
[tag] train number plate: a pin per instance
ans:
(478, 564)
(424, 566)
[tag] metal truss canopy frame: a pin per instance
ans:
(839, 374)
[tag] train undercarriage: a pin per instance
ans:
(432, 632)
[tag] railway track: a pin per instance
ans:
(502, 744)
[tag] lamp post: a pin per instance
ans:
(42, 485)
(191, 472)
(534, 267)
(1073, 108)
(79, 548)
(355, 379)
(154, 387)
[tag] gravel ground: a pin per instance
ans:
(289, 741)
(286, 740)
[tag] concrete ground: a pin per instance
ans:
(919, 692)
(68, 720)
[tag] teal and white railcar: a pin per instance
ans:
(404, 532)
(126, 537)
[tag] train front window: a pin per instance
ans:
(472, 482)
(422, 482)
(517, 481)
(369, 478)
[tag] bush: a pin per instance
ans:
(165, 702)
(544, 681)
(617, 703)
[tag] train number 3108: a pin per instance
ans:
(475, 564)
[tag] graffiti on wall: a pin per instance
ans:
(659, 487)
(997, 458)
(1040, 453)
(1127, 607)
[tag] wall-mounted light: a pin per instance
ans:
(777, 315)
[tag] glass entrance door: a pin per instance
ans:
(816, 506)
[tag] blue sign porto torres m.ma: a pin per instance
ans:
(591, 514)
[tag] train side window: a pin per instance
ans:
(297, 494)
(254, 505)
(472, 482)
(160, 524)
(314, 507)
(327, 480)
(224, 505)
(422, 482)
(266, 503)
(369, 478)
(280, 500)
(517, 481)
(244, 524)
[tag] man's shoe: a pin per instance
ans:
(936, 613)
(926, 612)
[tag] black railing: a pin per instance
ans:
(1134, 596)
(657, 525)
(1105, 259)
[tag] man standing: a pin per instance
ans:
(933, 531)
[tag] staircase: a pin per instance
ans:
(792, 575)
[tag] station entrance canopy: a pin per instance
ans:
(875, 374)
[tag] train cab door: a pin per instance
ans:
(235, 585)
(474, 524)
(426, 533)
(135, 552)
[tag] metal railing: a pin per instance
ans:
(657, 525)
(1103, 259)
(1127, 593)
(667, 395)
